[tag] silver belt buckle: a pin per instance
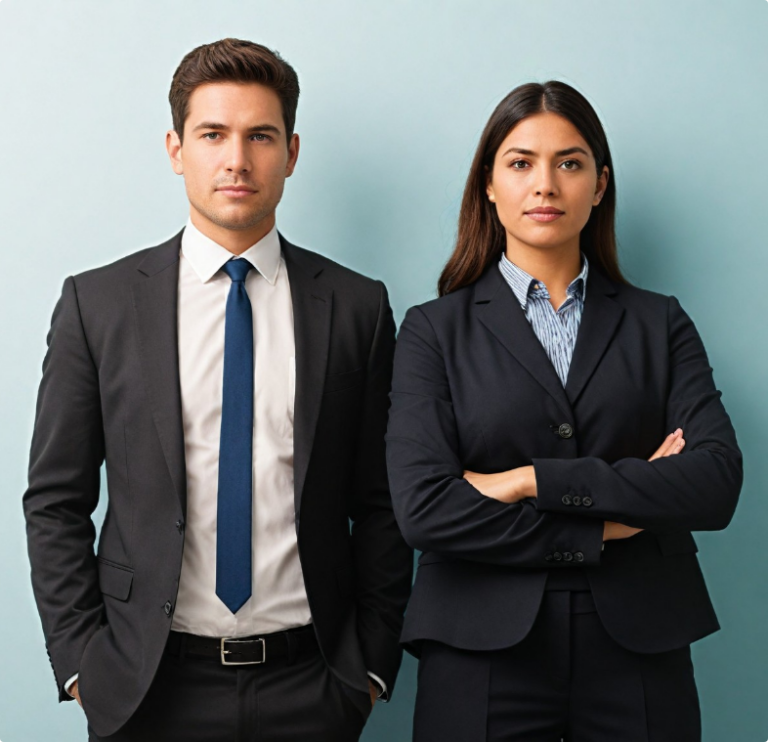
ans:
(225, 652)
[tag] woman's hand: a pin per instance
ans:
(673, 444)
(506, 486)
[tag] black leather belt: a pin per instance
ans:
(246, 650)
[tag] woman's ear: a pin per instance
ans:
(489, 187)
(602, 184)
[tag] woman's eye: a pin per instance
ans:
(571, 165)
(514, 165)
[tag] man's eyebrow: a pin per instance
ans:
(561, 153)
(258, 129)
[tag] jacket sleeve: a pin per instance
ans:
(383, 561)
(66, 455)
(438, 510)
(695, 490)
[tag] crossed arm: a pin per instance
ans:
(517, 484)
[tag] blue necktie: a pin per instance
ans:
(235, 496)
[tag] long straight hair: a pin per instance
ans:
(481, 237)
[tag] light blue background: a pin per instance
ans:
(394, 97)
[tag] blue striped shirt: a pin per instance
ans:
(556, 330)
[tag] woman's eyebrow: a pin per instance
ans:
(561, 153)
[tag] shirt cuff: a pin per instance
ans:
(70, 682)
(383, 696)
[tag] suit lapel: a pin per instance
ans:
(155, 305)
(498, 309)
(599, 321)
(312, 309)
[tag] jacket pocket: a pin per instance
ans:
(676, 542)
(337, 382)
(114, 579)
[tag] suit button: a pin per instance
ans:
(179, 526)
(168, 607)
(578, 556)
(557, 556)
(576, 500)
(565, 431)
(567, 556)
(586, 501)
(566, 499)
(548, 558)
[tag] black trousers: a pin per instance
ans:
(567, 680)
(197, 699)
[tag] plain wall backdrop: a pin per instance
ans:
(394, 96)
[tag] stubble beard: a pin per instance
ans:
(236, 222)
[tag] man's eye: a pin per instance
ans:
(260, 137)
(211, 135)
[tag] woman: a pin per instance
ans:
(558, 590)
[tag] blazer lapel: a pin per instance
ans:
(499, 310)
(155, 305)
(312, 308)
(599, 321)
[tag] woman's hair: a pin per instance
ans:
(481, 237)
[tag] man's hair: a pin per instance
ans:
(233, 60)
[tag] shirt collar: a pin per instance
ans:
(207, 257)
(524, 285)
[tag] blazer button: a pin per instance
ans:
(557, 556)
(576, 500)
(567, 556)
(548, 558)
(168, 607)
(586, 501)
(565, 431)
(179, 526)
(566, 499)
(578, 556)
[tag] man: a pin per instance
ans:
(229, 598)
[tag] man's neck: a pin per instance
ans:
(237, 241)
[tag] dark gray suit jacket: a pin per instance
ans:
(110, 392)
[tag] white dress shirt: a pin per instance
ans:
(279, 599)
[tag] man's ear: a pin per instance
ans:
(173, 145)
(293, 155)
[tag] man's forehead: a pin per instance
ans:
(234, 98)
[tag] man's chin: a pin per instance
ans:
(237, 222)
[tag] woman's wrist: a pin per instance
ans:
(523, 483)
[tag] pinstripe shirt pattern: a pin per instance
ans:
(556, 330)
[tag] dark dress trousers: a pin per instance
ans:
(473, 389)
(110, 392)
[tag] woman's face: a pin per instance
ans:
(545, 163)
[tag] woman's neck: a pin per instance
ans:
(555, 267)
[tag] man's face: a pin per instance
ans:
(235, 157)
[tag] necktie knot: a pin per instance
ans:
(237, 269)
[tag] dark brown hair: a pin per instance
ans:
(233, 60)
(481, 237)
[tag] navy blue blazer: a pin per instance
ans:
(473, 389)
